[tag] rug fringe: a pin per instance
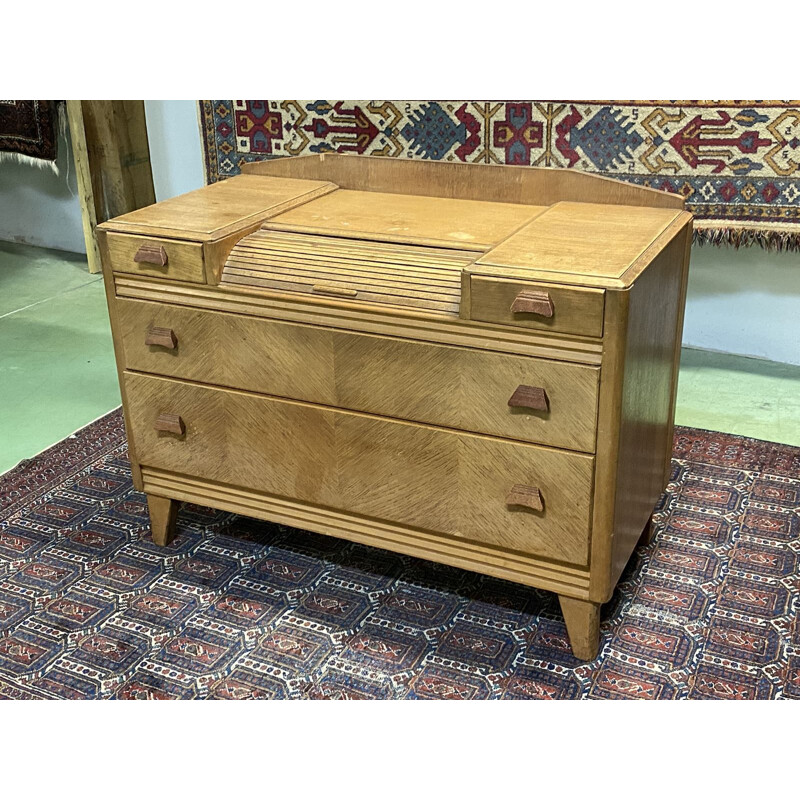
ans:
(778, 240)
(21, 158)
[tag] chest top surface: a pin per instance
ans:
(311, 234)
(221, 208)
(576, 242)
(446, 222)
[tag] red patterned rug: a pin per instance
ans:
(237, 608)
(735, 162)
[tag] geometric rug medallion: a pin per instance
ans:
(734, 162)
(239, 608)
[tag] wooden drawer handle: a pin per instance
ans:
(526, 496)
(161, 337)
(533, 303)
(170, 423)
(151, 254)
(529, 397)
(321, 288)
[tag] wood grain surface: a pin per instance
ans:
(368, 465)
(215, 211)
(497, 183)
(572, 310)
(448, 386)
(575, 240)
(183, 261)
(464, 224)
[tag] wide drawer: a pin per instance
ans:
(542, 306)
(429, 478)
(147, 255)
(442, 385)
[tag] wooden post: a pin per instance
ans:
(112, 162)
(80, 155)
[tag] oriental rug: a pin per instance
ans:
(238, 608)
(736, 163)
(28, 130)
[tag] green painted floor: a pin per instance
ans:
(747, 396)
(57, 368)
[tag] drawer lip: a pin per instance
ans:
(343, 369)
(368, 465)
(185, 259)
(584, 306)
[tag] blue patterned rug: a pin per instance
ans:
(238, 608)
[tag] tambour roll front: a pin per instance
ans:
(470, 364)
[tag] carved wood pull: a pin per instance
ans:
(151, 254)
(170, 423)
(526, 496)
(162, 337)
(529, 397)
(337, 291)
(533, 303)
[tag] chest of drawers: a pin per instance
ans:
(474, 365)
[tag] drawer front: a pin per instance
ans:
(165, 258)
(553, 403)
(537, 305)
(437, 480)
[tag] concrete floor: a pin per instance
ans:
(57, 370)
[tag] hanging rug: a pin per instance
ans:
(28, 130)
(736, 163)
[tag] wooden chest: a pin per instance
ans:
(475, 365)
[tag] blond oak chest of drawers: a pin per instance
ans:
(475, 365)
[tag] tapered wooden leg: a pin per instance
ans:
(163, 513)
(647, 534)
(583, 626)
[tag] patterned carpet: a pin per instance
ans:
(236, 608)
(735, 162)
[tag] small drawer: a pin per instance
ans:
(520, 497)
(537, 305)
(165, 258)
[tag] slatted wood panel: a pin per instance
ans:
(379, 272)
(429, 478)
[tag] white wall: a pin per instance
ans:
(744, 301)
(176, 149)
(42, 208)
(740, 301)
(39, 207)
